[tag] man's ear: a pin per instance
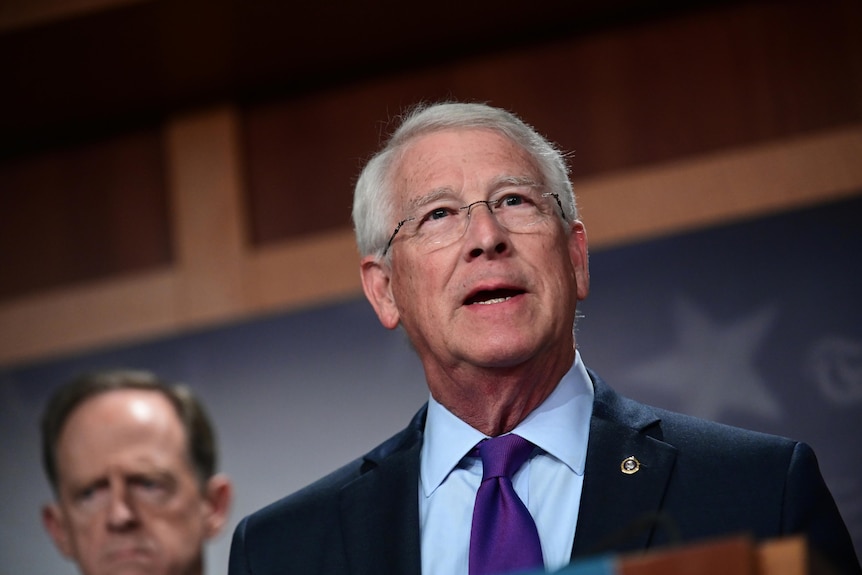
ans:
(377, 284)
(219, 494)
(580, 258)
(57, 527)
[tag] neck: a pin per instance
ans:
(197, 567)
(496, 400)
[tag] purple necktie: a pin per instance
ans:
(503, 538)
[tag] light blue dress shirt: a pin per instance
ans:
(549, 483)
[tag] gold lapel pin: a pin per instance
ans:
(630, 465)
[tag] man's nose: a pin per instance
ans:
(484, 233)
(486, 203)
(483, 214)
(121, 509)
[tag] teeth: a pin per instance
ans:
(495, 300)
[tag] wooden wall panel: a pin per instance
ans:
(625, 98)
(83, 213)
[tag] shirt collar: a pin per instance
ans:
(559, 426)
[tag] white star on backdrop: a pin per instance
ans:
(710, 367)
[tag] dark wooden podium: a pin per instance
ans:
(735, 556)
(730, 556)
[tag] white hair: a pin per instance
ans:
(373, 217)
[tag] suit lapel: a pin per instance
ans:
(619, 511)
(380, 513)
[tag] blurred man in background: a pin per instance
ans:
(132, 464)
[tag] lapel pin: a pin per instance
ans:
(630, 465)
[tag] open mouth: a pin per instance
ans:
(488, 297)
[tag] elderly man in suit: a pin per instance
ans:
(522, 458)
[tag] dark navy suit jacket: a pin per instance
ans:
(697, 480)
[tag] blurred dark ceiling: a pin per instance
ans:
(131, 65)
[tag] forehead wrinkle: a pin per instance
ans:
(506, 181)
(446, 192)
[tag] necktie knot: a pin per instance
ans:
(504, 455)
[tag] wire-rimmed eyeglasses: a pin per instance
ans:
(443, 222)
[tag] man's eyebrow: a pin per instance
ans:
(150, 474)
(444, 192)
(77, 486)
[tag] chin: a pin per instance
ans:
(129, 563)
